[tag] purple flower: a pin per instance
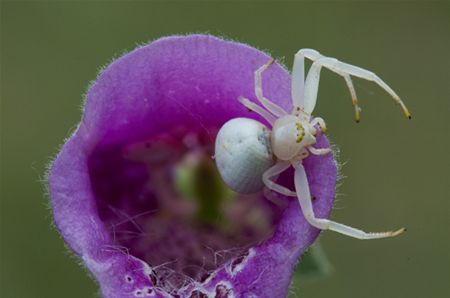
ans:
(114, 188)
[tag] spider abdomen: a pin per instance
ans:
(243, 153)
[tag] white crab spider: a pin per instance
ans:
(249, 155)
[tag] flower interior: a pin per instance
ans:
(163, 201)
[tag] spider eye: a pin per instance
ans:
(300, 132)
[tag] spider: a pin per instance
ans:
(249, 156)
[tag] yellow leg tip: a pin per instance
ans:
(357, 111)
(398, 232)
(405, 110)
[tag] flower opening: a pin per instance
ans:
(135, 192)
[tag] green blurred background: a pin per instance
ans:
(397, 170)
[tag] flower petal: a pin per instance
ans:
(190, 81)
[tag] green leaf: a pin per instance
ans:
(313, 264)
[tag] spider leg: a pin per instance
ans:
(319, 121)
(303, 194)
(257, 109)
(274, 171)
(319, 151)
(298, 79)
(351, 88)
(345, 70)
(270, 106)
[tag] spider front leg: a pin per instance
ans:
(303, 194)
(345, 70)
(298, 80)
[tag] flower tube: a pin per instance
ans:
(115, 187)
